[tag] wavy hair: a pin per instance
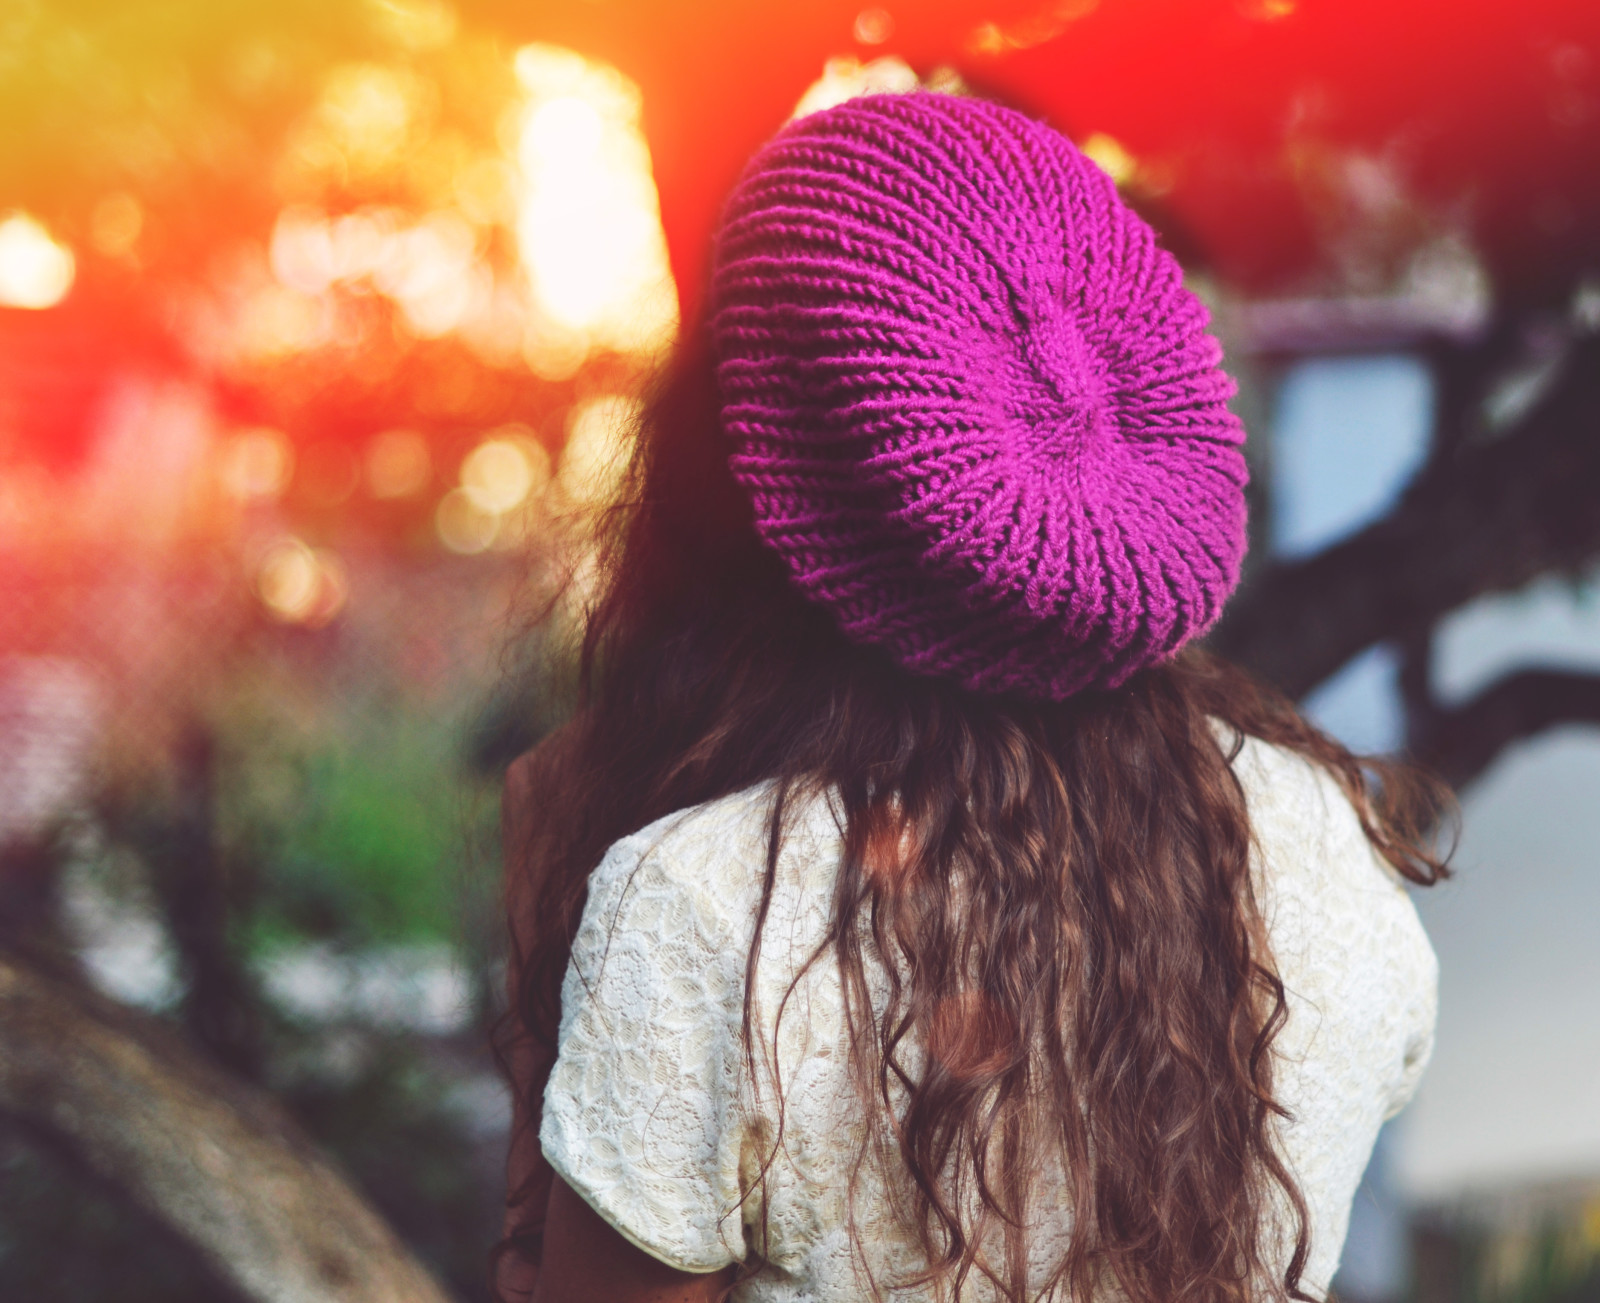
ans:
(1059, 894)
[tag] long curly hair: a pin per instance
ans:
(1059, 894)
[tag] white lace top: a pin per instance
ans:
(652, 1118)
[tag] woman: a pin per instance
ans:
(907, 912)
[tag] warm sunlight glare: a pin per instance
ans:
(463, 526)
(301, 585)
(430, 267)
(1112, 159)
(847, 77)
(35, 271)
(504, 471)
(589, 223)
(600, 432)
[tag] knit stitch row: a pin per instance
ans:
(976, 411)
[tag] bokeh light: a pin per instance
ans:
(874, 26)
(847, 77)
(430, 268)
(36, 271)
(302, 585)
(432, 272)
(1112, 159)
(589, 223)
(256, 464)
(276, 321)
(505, 470)
(600, 433)
(370, 112)
(462, 525)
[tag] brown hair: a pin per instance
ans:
(1062, 893)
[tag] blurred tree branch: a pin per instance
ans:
(1489, 514)
(1460, 742)
(209, 1158)
(178, 841)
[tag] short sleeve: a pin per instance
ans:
(642, 1113)
(1422, 1010)
(1360, 981)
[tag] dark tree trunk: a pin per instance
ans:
(1490, 512)
(211, 1159)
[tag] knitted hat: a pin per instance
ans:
(976, 411)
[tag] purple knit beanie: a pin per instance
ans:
(976, 411)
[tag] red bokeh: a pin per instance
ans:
(1491, 107)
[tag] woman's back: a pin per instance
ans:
(1058, 991)
(654, 1115)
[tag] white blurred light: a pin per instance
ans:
(462, 525)
(1586, 305)
(552, 353)
(288, 579)
(845, 78)
(1446, 278)
(126, 950)
(257, 464)
(35, 270)
(502, 472)
(417, 987)
(430, 268)
(369, 110)
(301, 253)
(589, 222)
(51, 709)
(433, 275)
(566, 131)
(301, 585)
(362, 242)
(599, 439)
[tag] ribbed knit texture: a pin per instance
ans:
(974, 407)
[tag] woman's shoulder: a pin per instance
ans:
(1304, 821)
(715, 853)
(1344, 932)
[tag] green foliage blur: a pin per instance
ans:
(347, 823)
(289, 849)
(355, 838)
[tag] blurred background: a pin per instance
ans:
(324, 322)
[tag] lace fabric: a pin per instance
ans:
(653, 1115)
